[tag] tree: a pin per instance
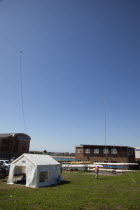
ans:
(45, 151)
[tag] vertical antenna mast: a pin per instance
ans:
(105, 126)
(21, 90)
(105, 120)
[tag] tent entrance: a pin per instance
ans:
(20, 175)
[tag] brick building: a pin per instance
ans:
(13, 144)
(102, 153)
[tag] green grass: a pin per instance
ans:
(80, 191)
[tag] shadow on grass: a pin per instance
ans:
(61, 183)
(65, 182)
(58, 184)
(53, 185)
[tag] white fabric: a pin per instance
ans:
(34, 166)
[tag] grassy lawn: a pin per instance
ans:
(79, 191)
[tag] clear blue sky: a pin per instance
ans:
(75, 54)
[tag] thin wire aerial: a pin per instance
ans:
(21, 91)
(129, 173)
(105, 127)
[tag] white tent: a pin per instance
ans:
(34, 170)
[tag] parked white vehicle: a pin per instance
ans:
(5, 163)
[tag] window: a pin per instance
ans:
(5, 142)
(4, 148)
(23, 146)
(23, 137)
(87, 150)
(43, 176)
(132, 151)
(96, 151)
(79, 150)
(106, 151)
(114, 151)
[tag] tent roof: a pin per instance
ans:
(39, 159)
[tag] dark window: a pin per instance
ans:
(87, 150)
(4, 148)
(43, 176)
(79, 150)
(5, 142)
(106, 151)
(23, 146)
(114, 151)
(96, 151)
(23, 137)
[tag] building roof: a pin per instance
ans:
(82, 145)
(6, 135)
(38, 159)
